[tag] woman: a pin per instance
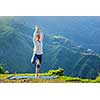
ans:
(38, 49)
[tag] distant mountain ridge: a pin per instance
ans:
(84, 30)
(75, 60)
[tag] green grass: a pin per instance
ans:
(59, 72)
(60, 79)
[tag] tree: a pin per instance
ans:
(1, 69)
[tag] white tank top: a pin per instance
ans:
(38, 46)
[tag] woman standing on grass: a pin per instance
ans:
(38, 49)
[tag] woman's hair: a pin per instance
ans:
(38, 35)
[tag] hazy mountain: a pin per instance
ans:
(76, 61)
(83, 30)
(15, 47)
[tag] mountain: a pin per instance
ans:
(59, 51)
(15, 47)
(75, 61)
(84, 30)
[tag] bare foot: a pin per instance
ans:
(37, 76)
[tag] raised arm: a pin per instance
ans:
(37, 31)
(34, 35)
(41, 36)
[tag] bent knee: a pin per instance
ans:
(38, 62)
(32, 62)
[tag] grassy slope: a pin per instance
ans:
(60, 79)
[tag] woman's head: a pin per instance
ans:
(37, 37)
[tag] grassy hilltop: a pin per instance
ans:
(60, 79)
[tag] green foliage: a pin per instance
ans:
(1, 69)
(58, 72)
(70, 79)
(98, 78)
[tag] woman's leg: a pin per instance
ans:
(38, 63)
(33, 59)
(37, 68)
